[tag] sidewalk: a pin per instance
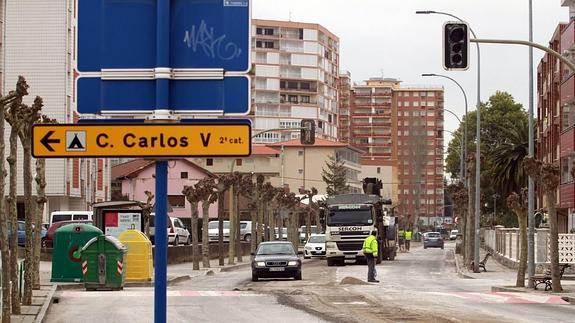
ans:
(505, 279)
(176, 273)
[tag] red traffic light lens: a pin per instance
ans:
(456, 34)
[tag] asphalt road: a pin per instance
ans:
(419, 286)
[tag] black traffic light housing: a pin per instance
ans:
(307, 132)
(455, 46)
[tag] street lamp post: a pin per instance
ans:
(463, 168)
(478, 143)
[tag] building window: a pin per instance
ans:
(300, 153)
(238, 162)
(184, 175)
(300, 171)
(379, 170)
(177, 201)
(210, 162)
(320, 124)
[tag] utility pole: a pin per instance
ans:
(531, 188)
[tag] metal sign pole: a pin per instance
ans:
(162, 103)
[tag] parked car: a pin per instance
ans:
(284, 233)
(245, 231)
(49, 240)
(315, 246)
(432, 239)
(276, 259)
(22, 234)
(453, 234)
(58, 216)
(302, 231)
(177, 231)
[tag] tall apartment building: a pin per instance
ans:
(401, 129)
(296, 68)
(38, 43)
(344, 104)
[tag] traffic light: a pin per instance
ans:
(307, 132)
(455, 46)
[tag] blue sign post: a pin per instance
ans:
(208, 47)
(187, 56)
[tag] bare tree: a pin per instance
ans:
(260, 209)
(548, 176)
(460, 200)
(470, 223)
(223, 185)
(193, 196)
(10, 270)
(208, 195)
(147, 211)
(268, 196)
(518, 203)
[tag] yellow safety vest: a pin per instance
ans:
(370, 245)
(407, 235)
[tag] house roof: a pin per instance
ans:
(134, 167)
(263, 150)
(318, 143)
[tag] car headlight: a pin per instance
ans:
(330, 245)
(292, 263)
(260, 264)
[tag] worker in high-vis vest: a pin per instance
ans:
(370, 251)
(407, 238)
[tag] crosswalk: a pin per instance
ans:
(504, 297)
(170, 293)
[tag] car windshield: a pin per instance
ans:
(276, 249)
(317, 239)
(350, 217)
(433, 235)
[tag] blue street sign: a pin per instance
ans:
(121, 34)
(230, 95)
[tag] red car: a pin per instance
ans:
(49, 240)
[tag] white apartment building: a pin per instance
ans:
(296, 68)
(38, 43)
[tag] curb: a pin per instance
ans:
(507, 289)
(46, 305)
(460, 269)
(234, 267)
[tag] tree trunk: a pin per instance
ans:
(254, 232)
(13, 214)
(30, 272)
(553, 240)
(232, 230)
(195, 245)
(4, 218)
(238, 227)
(39, 212)
(308, 216)
(261, 224)
(221, 228)
(470, 227)
(205, 235)
(280, 227)
(522, 218)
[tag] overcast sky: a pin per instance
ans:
(386, 36)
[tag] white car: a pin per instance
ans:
(453, 234)
(177, 231)
(213, 231)
(315, 247)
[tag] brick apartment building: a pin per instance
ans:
(296, 68)
(556, 119)
(400, 128)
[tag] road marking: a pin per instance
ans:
(170, 293)
(350, 303)
(505, 298)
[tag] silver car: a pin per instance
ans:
(432, 239)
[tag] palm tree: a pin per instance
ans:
(507, 158)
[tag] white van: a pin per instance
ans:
(58, 216)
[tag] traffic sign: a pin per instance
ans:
(141, 140)
(204, 34)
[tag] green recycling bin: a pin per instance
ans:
(68, 241)
(103, 263)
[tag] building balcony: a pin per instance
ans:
(567, 195)
(568, 36)
(568, 90)
(567, 142)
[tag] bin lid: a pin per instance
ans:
(132, 236)
(78, 228)
(108, 238)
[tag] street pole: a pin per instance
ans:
(463, 170)
(531, 188)
(478, 143)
